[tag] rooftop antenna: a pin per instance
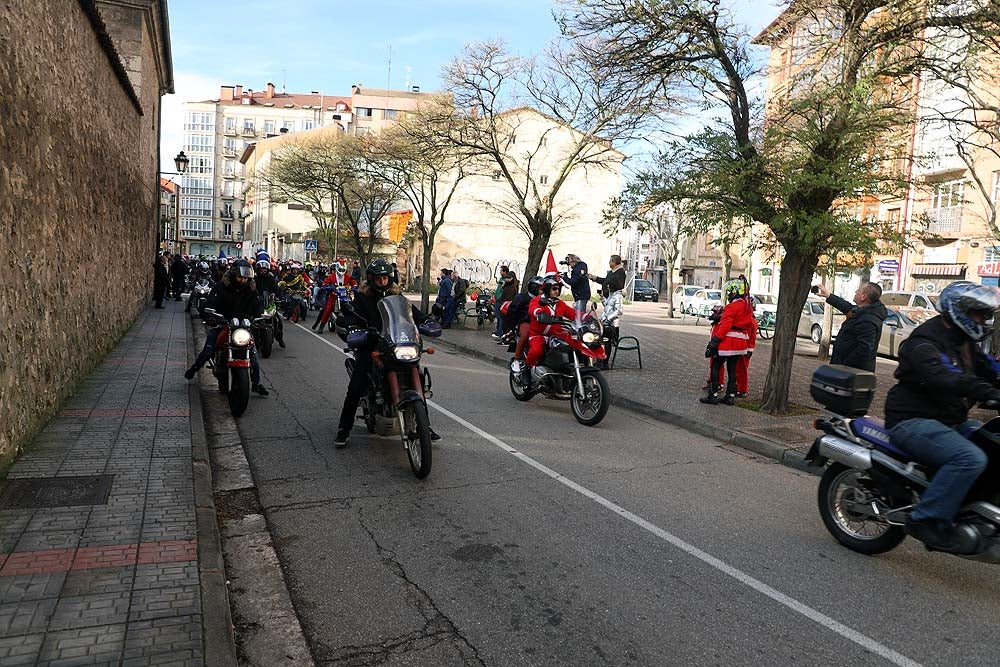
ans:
(406, 86)
(388, 78)
(282, 82)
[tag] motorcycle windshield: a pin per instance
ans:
(398, 326)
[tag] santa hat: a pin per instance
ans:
(550, 266)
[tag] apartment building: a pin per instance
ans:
(169, 215)
(216, 132)
(944, 196)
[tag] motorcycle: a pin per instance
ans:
(398, 387)
(567, 371)
(870, 486)
(264, 328)
(297, 305)
(231, 364)
(199, 296)
(484, 308)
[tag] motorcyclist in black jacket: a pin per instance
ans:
(267, 284)
(235, 296)
(942, 374)
(378, 284)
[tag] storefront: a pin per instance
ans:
(933, 278)
(989, 273)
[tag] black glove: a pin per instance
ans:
(749, 354)
(711, 351)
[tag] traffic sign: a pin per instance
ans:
(888, 266)
(239, 246)
(311, 245)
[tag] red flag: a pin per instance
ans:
(550, 265)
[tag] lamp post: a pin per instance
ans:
(181, 162)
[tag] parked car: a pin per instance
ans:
(918, 306)
(764, 303)
(644, 291)
(896, 328)
(682, 295)
(811, 320)
(703, 300)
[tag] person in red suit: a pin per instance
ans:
(743, 362)
(547, 302)
(730, 341)
(336, 278)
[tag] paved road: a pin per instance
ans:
(537, 541)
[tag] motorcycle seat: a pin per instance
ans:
(872, 429)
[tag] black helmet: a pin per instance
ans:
(242, 269)
(377, 268)
(548, 284)
(534, 285)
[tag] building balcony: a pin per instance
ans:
(249, 132)
(227, 215)
(945, 221)
(231, 131)
(188, 234)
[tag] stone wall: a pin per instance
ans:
(78, 173)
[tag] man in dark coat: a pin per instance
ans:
(578, 282)
(615, 280)
(857, 341)
(178, 269)
(161, 279)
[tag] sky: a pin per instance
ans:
(328, 46)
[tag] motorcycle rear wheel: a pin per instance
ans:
(267, 342)
(519, 391)
(591, 410)
(417, 438)
(839, 492)
(239, 390)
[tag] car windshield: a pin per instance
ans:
(765, 298)
(645, 284)
(897, 299)
(713, 296)
(689, 291)
(816, 307)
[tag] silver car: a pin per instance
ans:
(811, 320)
(896, 328)
(918, 306)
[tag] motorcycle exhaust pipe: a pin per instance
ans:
(846, 452)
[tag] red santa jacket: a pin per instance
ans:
(560, 309)
(737, 330)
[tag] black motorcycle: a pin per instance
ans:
(398, 387)
(484, 308)
(231, 364)
(198, 298)
(870, 486)
(268, 327)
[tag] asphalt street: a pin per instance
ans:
(537, 541)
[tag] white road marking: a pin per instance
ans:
(814, 615)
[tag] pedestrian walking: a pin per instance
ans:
(857, 341)
(445, 297)
(161, 278)
(578, 281)
(507, 288)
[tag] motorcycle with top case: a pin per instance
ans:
(870, 485)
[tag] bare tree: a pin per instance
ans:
(501, 98)
(830, 132)
(425, 170)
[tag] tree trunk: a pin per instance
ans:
(670, 288)
(824, 341)
(425, 272)
(793, 288)
(536, 253)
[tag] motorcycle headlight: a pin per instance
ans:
(241, 337)
(589, 337)
(407, 353)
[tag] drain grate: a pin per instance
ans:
(31, 493)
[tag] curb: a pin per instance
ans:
(217, 621)
(777, 451)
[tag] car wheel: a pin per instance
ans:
(655, 298)
(816, 334)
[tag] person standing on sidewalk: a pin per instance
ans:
(857, 341)
(507, 288)
(161, 278)
(578, 281)
(614, 280)
(446, 294)
(730, 341)
(178, 270)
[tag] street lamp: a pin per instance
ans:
(181, 162)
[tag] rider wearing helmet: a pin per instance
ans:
(546, 305)
(732, 338)
(235, 296)
(295, 284)
(267, 285)
(336, 278)
(378, 285)
(942, 373)
(201, 271)
(516, 319)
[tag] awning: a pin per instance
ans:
(955, 270)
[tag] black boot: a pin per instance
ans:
(728, 399)
(941, 535)
(713, 395)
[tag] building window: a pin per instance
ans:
(363, 112)
(196, 185)
(227, 229)
(991, 253)
(307, 125)
(199, 121)
(227, 188)
(230, 168)
(196, 228)
(248, 123)
(200, 164)
(230, 146)
(892, 216)
(543, 180)
(230, 123)
(390, 114)
(268, 127)
(288, 125)
(199, 143)
(946, 208)
(196, 206)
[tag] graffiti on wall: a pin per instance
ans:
(479, 271)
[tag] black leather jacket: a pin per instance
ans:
(941, 375)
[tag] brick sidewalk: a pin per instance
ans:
(675, 369)
(99, 557)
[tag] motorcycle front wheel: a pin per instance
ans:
(845, 498)
(417, 438)
(239, 391)
(267, 342)
(591, 409)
